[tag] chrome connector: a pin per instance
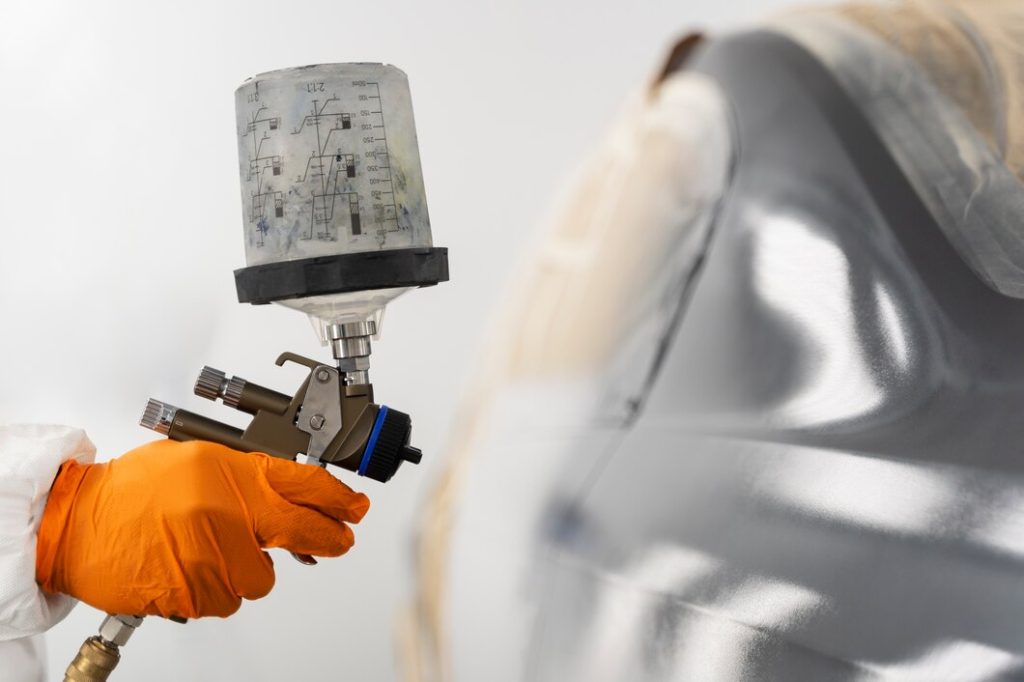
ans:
(344, 330)
(350, 345)
(117, 630)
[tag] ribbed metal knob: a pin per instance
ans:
(158, 416)
(210, 383)
(233, 391)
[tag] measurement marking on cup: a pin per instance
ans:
(324, 172)
(393, 216)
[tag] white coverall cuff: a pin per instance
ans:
(30, 456)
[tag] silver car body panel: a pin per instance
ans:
(822, 479)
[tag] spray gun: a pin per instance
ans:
(336, 226)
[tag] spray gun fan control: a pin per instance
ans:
(335, 226)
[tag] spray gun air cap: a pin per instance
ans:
(388, 445)
(334, 207)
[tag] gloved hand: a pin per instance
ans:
(178, 529)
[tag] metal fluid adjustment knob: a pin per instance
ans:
(210, 384)
(213, 383)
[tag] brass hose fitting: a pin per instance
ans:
(94, 662)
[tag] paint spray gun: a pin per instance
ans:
(336, 227)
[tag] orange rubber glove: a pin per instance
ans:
(178, 529)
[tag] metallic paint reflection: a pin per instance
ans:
(824, 479)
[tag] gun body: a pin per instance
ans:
(326, 419)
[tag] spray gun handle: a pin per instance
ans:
(327, 420)
(324, 417)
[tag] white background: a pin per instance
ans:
(120, 224)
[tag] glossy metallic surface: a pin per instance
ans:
(825, 481)
(823, 478)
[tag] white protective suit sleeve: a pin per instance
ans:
(29, 459)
